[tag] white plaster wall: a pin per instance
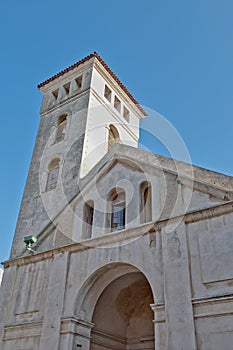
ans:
(98, 85)
(101, 114)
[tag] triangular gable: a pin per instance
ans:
(130, 162)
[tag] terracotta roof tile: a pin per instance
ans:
(94, 54)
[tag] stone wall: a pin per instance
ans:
(54, 294)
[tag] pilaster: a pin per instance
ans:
(177, 289)
(50, 334)
(75, 333)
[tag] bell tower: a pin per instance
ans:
(85, 110)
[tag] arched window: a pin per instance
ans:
(117, 209)
(146, 207)
(53, 174)
(113, 136)
(88, 214)
(61, 128)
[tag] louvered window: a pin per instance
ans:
(53, 174)
(107, 93)
(117, 104)
(61, 129)
(126, 114)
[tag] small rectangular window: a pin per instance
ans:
(78, 83)
(107, 93)
(126, 114)
(55, 94)
(67, 88)
(117, 104)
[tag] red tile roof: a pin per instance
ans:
(94, 54)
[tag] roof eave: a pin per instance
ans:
(42, 85)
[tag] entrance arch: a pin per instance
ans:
(116, 300)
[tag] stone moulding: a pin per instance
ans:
(159, 312)
(70, 325)
(125, 235)
(216, 306)
(22, 330)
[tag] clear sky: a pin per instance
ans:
(175, 57)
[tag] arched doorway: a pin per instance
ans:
(122, 317)
(113, 136)
(113, 310)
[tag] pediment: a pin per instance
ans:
(173, 192)
(122, 167)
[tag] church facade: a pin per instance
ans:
(132, 250)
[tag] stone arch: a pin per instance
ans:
(129, 292)
(88, 215)
(145, 201)
(113, 136)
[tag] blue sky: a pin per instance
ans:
(174, 56)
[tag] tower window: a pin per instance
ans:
(67, 88)
(61, 128)
(78, 83)
(117, 104)
(53, 174)
(55, 93)
(146, 205)
(117, 210)
(126, 114)
(107, 93)
(88, 215)
(113, 136)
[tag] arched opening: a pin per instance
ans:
(61, 128)
(114, 303)
(117, 209)
(113, 136)
(88, 215)
(146, 202)
(53, 173)
(122, 317)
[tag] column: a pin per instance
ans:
(159, 325)
(50, 335)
